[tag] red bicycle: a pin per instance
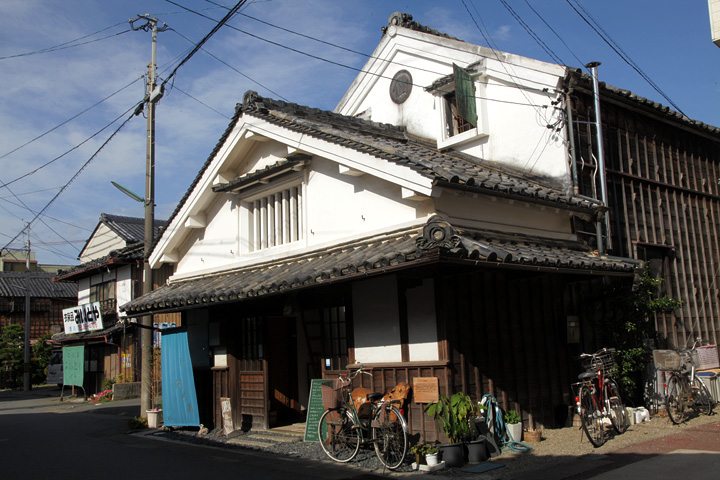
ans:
(598, 399)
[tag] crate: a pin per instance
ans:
(711, 381)
(666, 360)
(708, 357)
(332, 394)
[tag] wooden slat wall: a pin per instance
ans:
(663, 190)
(514, 350)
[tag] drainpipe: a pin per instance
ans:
(571, 137)
(601, 156)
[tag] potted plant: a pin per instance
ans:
(425, 454)
(454, 413)
(513, 425)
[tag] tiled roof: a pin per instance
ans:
(449, 168)
(629, 97)
(96, 334)
(122, 256)
(130, 229)
(433, 242)
(12, 284)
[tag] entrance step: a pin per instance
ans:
(264, 440)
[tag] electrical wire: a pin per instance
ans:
(232, 68)
(94, 155)
(66, 45)
(580, 62)
(332, 62)
(67, 121)
(34, 171)
(620, 52)
(532, 33)
(202, 42)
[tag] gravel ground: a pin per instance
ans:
(556, 446)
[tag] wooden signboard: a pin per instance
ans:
(315, 410)
(426, 389)
(227, 419)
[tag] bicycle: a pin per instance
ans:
(342, 429)
(683, 388)
(599, 397)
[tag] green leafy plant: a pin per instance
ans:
(137, 423)
(423, 449)
(511, 417)
(102, 397)
(454, 413)
(631, 325)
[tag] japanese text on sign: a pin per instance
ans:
(83, 318)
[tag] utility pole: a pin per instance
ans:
(26, 361)
(153, 96)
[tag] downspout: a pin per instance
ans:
(571, 137)
(601, 156)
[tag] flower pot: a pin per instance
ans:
(432, 459)
(515, 431)
(154, 418)
(453, 454)
(532, 436)
(477, 450)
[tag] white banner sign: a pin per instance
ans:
(83, 318)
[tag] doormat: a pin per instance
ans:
(482, 467)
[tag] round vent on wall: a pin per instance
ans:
(401, 86)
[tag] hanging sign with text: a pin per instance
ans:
(83, 318)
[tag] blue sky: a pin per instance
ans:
(668, 40)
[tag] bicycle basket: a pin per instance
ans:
(666, 360)
(690, 359)
(604, 361)
(332, 394)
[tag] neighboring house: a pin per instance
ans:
(427, 227)
(16, 261)
(111, 274)
(47, 300)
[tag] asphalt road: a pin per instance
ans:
(43, 438)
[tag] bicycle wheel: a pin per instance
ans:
(701, 397)
(674, 402)
(618, 416)
(389, 432)
(338, 437)
(591, 417)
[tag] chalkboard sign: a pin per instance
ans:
(73, 363)
(315, 410)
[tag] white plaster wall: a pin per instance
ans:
(123, 286)
(512, 103)
(340, 206)
(376, 320)
(83, 291)
(216, 245)
(422, 324)
(102, 243)
(509, 216)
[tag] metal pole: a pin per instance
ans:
(26, 362)
(147, 321)
(601, 155)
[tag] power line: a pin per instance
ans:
(67, 45)
(39, 214)
(532, 33)
(32, 172)
(202, 42)
(67, 121)
(349, 67)
(580, 62)
(230, 67)
(621, 53)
